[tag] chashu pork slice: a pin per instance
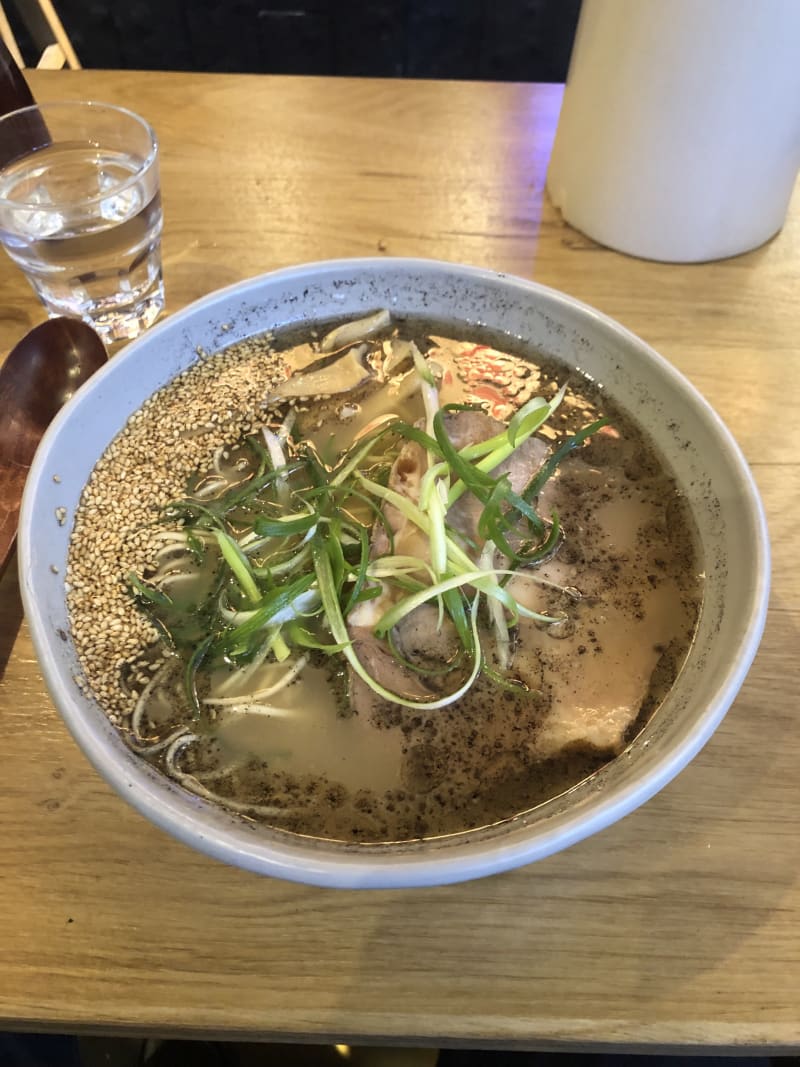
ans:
(596, 671)
(418, 637)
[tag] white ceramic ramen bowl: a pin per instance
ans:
(705, 459)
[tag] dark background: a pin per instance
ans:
(494, 40)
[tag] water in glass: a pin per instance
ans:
(84, 223)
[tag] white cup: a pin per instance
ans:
(679, 135)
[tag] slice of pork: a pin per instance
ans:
(418, 637)
(420, 641)
(597, 669)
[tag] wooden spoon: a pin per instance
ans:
(39, 376)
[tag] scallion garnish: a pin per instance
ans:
(298, 569)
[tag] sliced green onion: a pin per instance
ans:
(305, 639)
(195, 546)
(148, 592)
(437, 530)
(509, 685)
(280, 649)
(286, 525)
(271, 608)
(239, 564)
(356, 455)
(393, 615)
(546, 471)
(360, 573)
(522, 425)
(284, 563)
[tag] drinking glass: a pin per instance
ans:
(80, 212)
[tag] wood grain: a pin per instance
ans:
(678, 927)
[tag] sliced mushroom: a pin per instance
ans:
(303, 357)
(340, 376)
(395, 354)
(359, 330)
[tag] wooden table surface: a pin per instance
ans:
(679, 926)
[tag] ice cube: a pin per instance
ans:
(37, 224)
(106, 181)
(39, 195)
(121, 206)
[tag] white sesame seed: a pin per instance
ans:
(173, 434)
